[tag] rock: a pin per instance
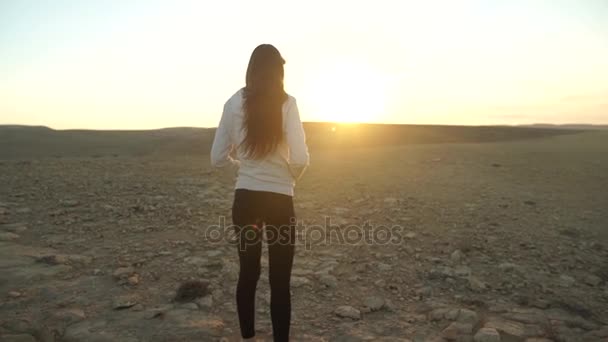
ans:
(17, 338)
(123, 272)
(80, 259)
(426, 291)
(462, 271)
(347, 311)
(205, 302)
(299, 281)
(476, 284)
(69, 316)
(390, 200)
(593, 280)
(467, 316)
(134, 279)
(189, 306)
(54, 259)
(374, 303)
(217, 294)
(380, 283)
(438, 314)
(124, 302)
(8, 236)
(410, 235)
(70, 203)
(14, 227)
(382, 267)
(507, 266)
(456, 256)
(487, 335)
(452, 314)
(506, 328)
(566, 280)
(14, 294)
(202, 262)
(214, 254)
(456, 330)
(329, 281)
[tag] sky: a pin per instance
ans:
(142, 64)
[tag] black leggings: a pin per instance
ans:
(251, 211)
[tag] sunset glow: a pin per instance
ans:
(149, 64)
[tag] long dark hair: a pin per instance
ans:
(264, 96)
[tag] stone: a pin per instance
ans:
(80, 259)
(214, 254)
(124, 302)
(123, 272)
(476, 285)
(14, 294)
(54, 259)
(566, 280)
(205, 302)
(17, 338)
(456, 256)
(374, 303)
(133, 280)
(328, 281)
(70, 316)
(189, 306)
(452, 314)
(346, 311)
(410, 235)
(507, 266)
(467, 316)
(510, 329)
(390, 200)
(202, 262)
(382, 267)
(70, 203)
(380, 283)
(462, 271)
(8, 236)
(487, 335)
(456, 330)
(14, 227)
(438, 314)
(593, 280)
(299, 281)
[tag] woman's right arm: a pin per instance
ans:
(296, 140)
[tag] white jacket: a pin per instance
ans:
(276, 172)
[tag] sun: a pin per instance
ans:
(347, 92)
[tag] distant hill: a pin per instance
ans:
(27, 142)
(567, 126)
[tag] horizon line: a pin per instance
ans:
(319, 122)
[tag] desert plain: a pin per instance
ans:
(500, 235)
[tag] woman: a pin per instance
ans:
(261, 126)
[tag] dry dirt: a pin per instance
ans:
(500, 242)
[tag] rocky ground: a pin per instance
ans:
(499, 242)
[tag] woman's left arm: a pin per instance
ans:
(222, 142)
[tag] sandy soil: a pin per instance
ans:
(498, 242)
